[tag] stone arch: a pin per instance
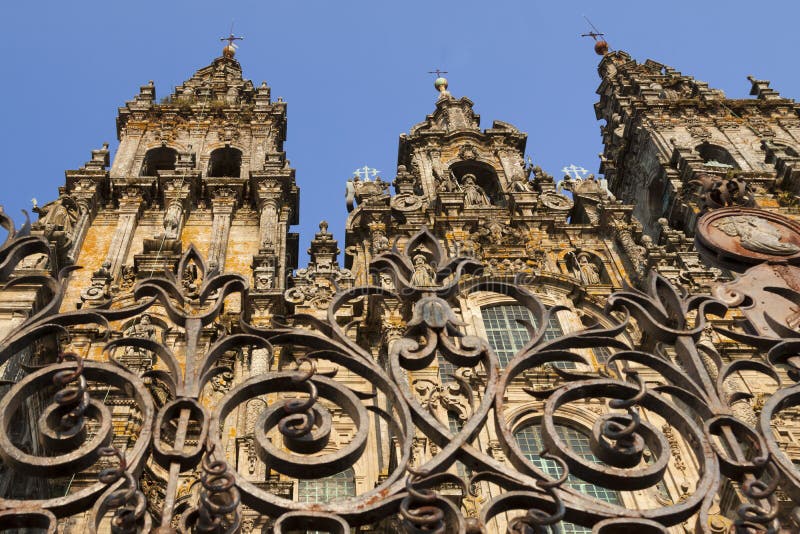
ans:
(715, 155)
(225, 162)
(485, 176)
(161, 158)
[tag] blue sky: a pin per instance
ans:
(355, 74)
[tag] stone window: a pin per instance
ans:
(225, 162)
(159, 159)
(339, 486)
(716, 156)
(506, 336)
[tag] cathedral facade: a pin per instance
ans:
(496, 350)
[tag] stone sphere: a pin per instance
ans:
(440, 82)
(601, 47)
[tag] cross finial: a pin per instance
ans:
(579, 172)
(367, 171)
(230, 49)
(441, 82)
(601, 45)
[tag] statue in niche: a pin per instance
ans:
(142, 328)
(474, 195)
(756, 234)
(172, 220)
(586, 269)
(424, 274)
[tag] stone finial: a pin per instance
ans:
(762, 90)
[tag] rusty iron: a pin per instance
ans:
(722, 445)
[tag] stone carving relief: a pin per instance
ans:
(494, 232)
(97, 293)
(586, 186)
(749, 235)
(555, 201)
(719, 192)
(365, 191)
(584, 266)
(57, 221)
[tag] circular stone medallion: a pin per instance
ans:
(554, 201)
(749, 235)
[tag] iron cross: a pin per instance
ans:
(595, 33)
(231, 38)
(437, 72)
(579, 172)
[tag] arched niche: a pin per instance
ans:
(226, 161)
(716, 156)
(159, 159)
(485, 177)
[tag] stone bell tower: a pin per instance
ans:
(204, 167)
(675, 147)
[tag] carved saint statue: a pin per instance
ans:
(424, 274)
(142, 328)
(520, 179)
(172, 220)
(474, 195)
(756, 234)
(587, 270)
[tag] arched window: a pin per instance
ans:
(506, 336)
(339, 486)
(716, 156)
(530, 441)
(159, 159)
(225, 162)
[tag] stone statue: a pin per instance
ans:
(142, 328)
(756, 234)
(58, 219)
(520, 179)
(586, 269)
(449, 184)
(424, 274)
(474, 195)
(172, 219)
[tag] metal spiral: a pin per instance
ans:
(628, 445)
(537, 521)
(300, 418)
(218, 510)
(72, 400)
(129, 503)
(417, 508)
(753, 516)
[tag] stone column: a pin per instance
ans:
(130, 205)
(222, 210)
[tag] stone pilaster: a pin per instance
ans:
(130, 206)
(222, 205)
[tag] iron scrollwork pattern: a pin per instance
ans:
(178, 431)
